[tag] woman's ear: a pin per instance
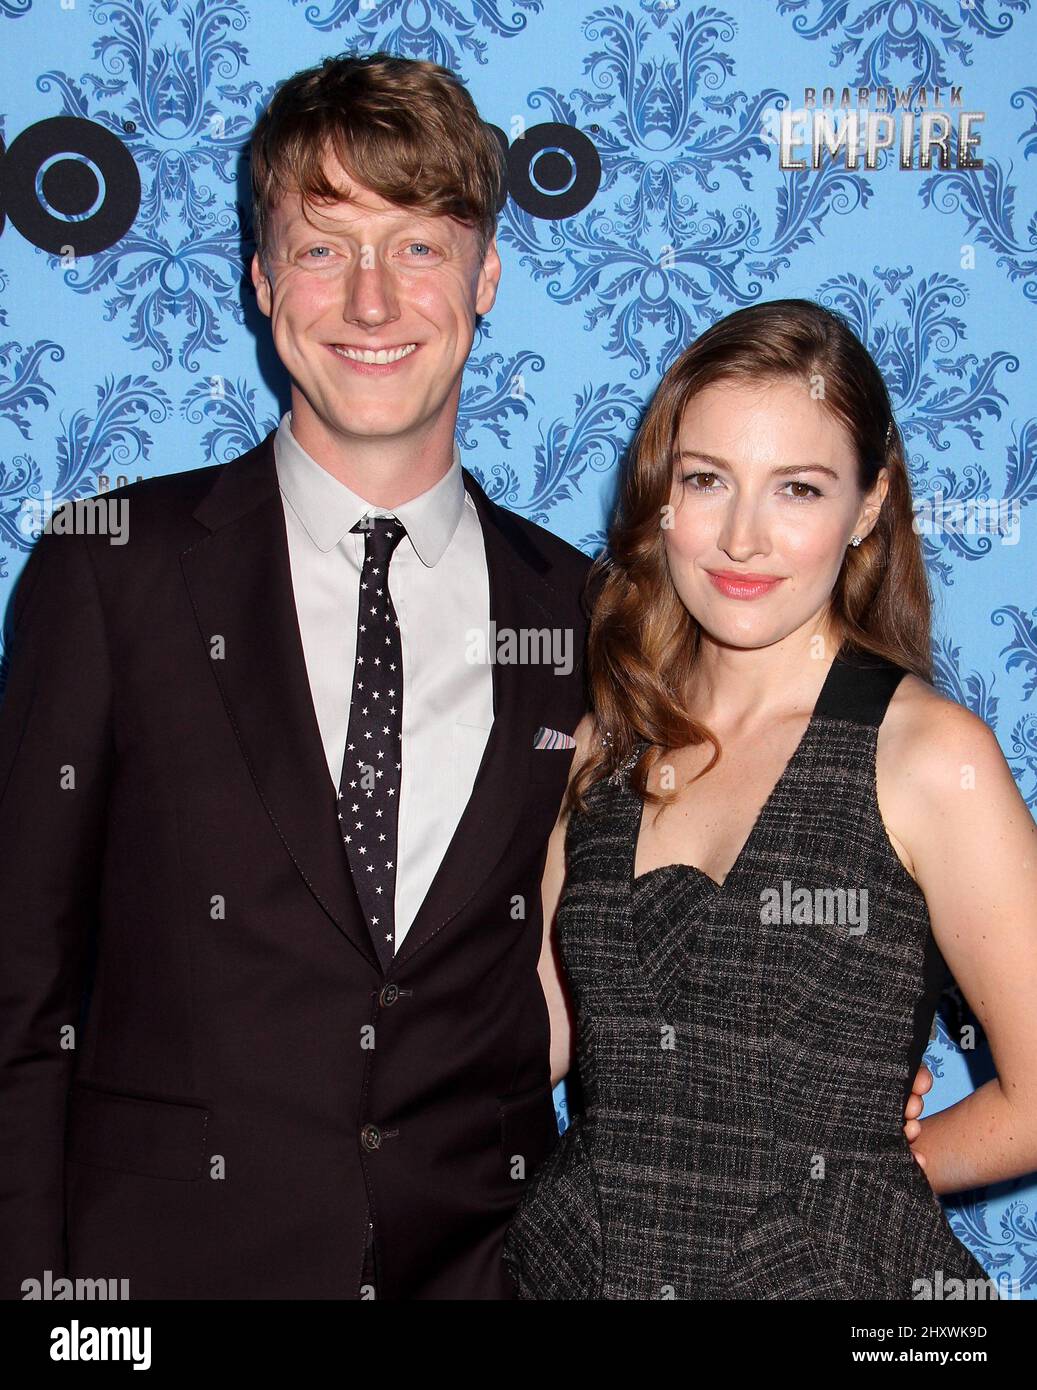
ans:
(872, 504)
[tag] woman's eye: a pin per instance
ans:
(702, 482)
(688, 477)
(811, 491)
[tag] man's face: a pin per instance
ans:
(364, 275)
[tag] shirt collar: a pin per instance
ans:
(329, 510)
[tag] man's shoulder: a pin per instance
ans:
(183, 488)
(571, 573)
(570, 558)
(141, 519)
(560, 553)
(162, 508)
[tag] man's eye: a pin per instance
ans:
(319, 248)
(423, 244)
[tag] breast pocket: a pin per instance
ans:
(549, 770)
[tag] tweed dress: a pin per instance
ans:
(744, 1072)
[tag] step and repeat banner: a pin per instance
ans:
(668, 163)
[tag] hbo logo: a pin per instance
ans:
(67, 181)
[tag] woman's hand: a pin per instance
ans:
(912, 1129)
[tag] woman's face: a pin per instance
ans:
(764, 503)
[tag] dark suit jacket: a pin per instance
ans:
(207, 1085)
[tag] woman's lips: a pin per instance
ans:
(743, 586)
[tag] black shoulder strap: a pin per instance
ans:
(860, 688)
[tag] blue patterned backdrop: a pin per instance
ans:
(647, 198)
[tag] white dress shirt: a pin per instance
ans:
(439, 586)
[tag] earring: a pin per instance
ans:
(856, 540)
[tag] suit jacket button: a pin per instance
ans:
(370, 1137)
(389, 995)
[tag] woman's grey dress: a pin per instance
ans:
(745, 1051)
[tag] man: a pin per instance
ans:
(273, 822)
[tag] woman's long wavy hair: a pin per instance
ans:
(642, 642)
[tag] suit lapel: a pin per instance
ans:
(516, 569)
(240, 582)
(239, 579)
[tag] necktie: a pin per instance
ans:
(369, 790)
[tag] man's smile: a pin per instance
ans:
(386, 357)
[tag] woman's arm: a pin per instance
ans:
(951, 804)
(549, 967)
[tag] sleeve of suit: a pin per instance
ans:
(56, 756)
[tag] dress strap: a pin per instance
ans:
(859, 688)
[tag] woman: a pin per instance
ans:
(754, 964)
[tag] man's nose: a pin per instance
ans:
(370, 292)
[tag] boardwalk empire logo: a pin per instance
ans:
(928, 126)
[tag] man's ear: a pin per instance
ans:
(261, 281)
(489, 278)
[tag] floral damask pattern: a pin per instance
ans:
(150, 355)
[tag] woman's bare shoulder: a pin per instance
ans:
(929, 743)
(930, 751)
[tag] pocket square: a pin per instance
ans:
(552, 738)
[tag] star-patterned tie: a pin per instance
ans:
(369, 790)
